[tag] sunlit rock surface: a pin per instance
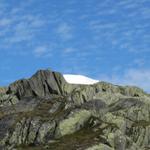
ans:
(46, 112)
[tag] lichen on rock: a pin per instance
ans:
(46, 112)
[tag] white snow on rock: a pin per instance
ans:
(79, 79)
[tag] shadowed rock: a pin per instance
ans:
(41, 84)
(125, 103)
(46, 112)
(95, 104)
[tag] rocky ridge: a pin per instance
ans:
(46, 112)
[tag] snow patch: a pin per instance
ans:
(79, 79)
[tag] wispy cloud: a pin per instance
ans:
(69, 50)
(42, 51)
(139, 62)
(107, 12)
(24, 29)
(101, 26)
(5, 22)
(64, 30)
(133, 77)
(98, 32)
(128, 4)
(18, 26)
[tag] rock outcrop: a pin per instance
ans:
(46, 112)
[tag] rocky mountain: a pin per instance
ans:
(46, 112)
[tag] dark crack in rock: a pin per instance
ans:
(46, 112)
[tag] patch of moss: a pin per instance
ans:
(140, 123)
(81, 139)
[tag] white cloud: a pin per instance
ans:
(5, 22)
(134, 77)
(42, 51)
(21, 31)
(34, 21)
(106, 12)
(18, 26)
(139, 62)
(127, 4)
(69, 50)
(25, 28)
(64, 30)
(99, 25)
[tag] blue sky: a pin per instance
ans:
(103, 39)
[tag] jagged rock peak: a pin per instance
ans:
(45, 112)
(42, 84)
(46, 82)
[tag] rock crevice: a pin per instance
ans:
(46, 112)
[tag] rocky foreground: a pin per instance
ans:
(46, 112)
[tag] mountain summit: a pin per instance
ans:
(68, 112)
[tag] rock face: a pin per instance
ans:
(42, 84)
(45, 112)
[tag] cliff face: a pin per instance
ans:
(45, 112)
